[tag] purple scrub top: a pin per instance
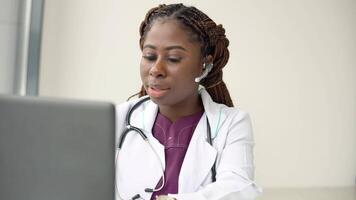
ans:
(175, 138)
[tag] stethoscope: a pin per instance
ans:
(130, 127)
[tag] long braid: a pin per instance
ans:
(208, 33)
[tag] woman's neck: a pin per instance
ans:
(175, 112)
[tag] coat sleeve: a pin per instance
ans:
(235, 169)
(121, 111)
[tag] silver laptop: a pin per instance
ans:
(56, 149)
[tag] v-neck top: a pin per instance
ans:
(175, 138)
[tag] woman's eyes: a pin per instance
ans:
(172, 59)
(149, 57)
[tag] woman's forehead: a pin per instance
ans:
(170, 32)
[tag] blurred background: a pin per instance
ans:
(292, 67)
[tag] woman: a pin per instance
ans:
(193, 144)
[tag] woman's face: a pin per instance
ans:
(170, 63)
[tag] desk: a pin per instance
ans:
(333, 193)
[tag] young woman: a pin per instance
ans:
(182, 139)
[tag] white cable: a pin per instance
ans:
(162, 168)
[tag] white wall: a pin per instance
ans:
(292, 66)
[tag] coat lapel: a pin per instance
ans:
(144, 119)
(139, 166)
(198, 160)
(200, 155)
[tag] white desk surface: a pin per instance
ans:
(337, 193)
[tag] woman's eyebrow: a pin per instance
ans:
(175, 47)
(167, 48)
(149, 46)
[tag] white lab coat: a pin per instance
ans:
(138, 166)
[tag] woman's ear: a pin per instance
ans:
(208, 59)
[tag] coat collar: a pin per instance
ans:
(145, 116)
(200, 155)
(214, 111)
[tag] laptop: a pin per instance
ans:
(56, 149)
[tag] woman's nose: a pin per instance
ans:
(158, 69)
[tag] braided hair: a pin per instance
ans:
(211, 37)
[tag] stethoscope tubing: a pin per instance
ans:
(130, 127)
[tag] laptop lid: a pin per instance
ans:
(56, 149)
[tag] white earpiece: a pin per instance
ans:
(207, 69)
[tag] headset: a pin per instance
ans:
(207, 67)
(130, 127)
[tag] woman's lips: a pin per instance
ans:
(156, 92)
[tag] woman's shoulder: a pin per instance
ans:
(236, 124)
(231, 122)
(237, 113)
(234, 114)
(222, 109)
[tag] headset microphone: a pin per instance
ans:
(207, 69)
